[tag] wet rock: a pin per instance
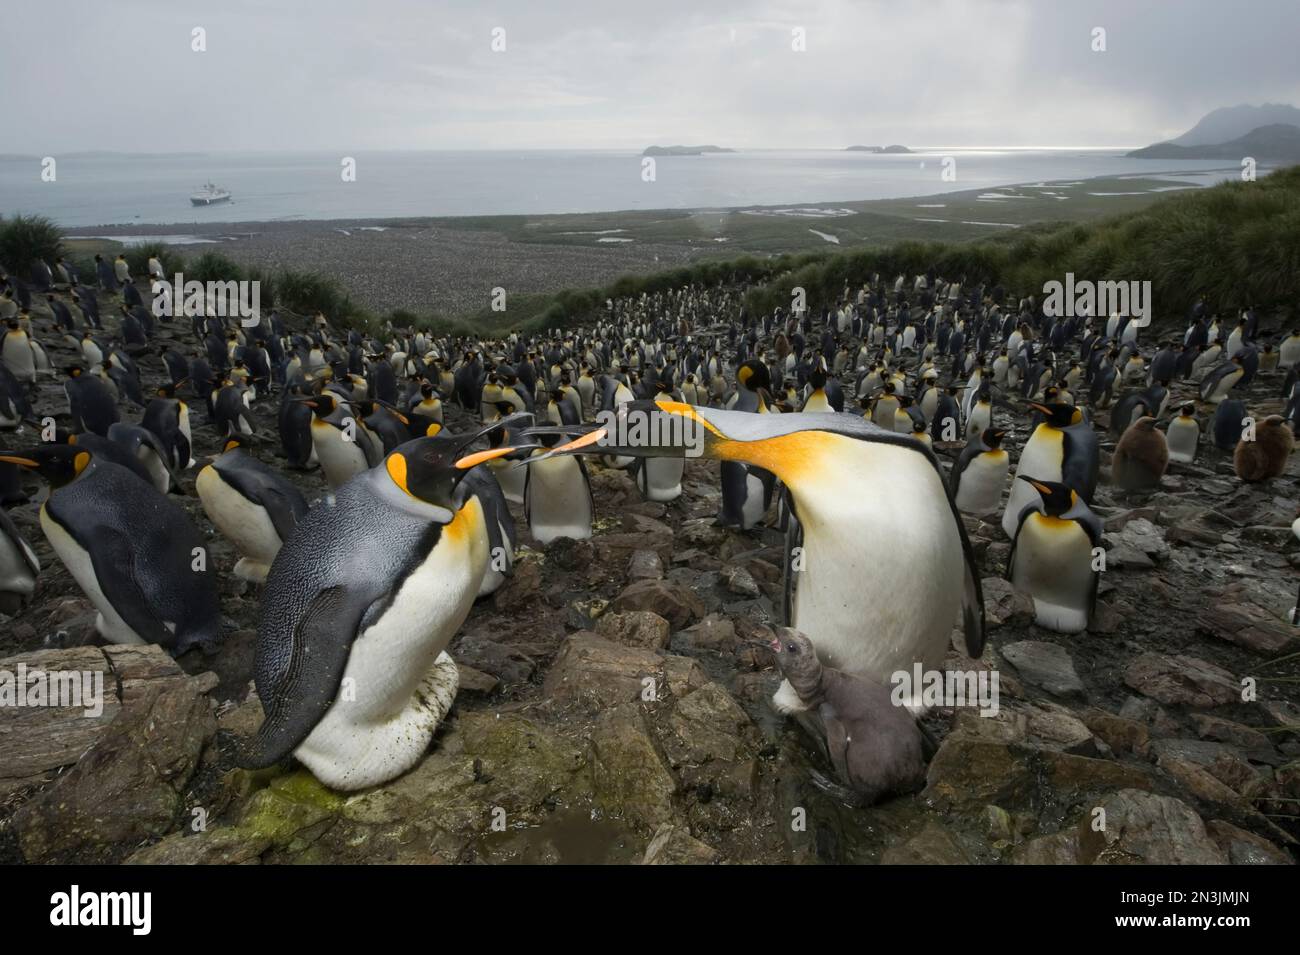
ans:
(569, 554)
(933, 845)
(677, 604)
(128, 786)
(1245, 848)
(740, 581)
(1077, 774)
(1004, 605)
(1044, 665)
(583, 614)
(221, 846)
(644, 565)
(1122, 735)
(1224, 762)
(702, 534)
(1060, 848)
(629, 776)
(507, 664)
(1211, 727)
(1182, 679)
(476, 681)
(1144, 828)
(615, 550)
(1150, 714)
(715, 632)
(592, 671)
(1139, 544)
(683, 675)
(1234, 618)
(636, 628)
(705, 725)
(972, 772)
(1198, 782)
(635, 523)
(674, 845)
(487, 767)
(1058, 728)
(519, 588)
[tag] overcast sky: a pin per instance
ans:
(352, 75)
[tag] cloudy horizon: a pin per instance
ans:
(405, 75)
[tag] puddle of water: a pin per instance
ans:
(567, 837)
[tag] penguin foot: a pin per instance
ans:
(251, 570)
(837, 791)
(347, 751)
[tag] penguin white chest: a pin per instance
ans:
(867, 612)
(399, 681)
(1183, 436)
(16, 575)
(340, 458)
(980, 489)
(244, 522)
(558, 500)
(1042, 459)
(18, 357)
(1053, 564)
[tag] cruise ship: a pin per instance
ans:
(209, 194)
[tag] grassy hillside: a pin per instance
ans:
(1237, 244)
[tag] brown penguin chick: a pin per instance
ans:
(1265, 457)
(1141, 456)
(875, 746)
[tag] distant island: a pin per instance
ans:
(1232, 122)
(1279, 141)
(877, 149)
(683, 150)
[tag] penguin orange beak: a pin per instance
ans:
(20, 461)
(1040, 408)
(478, 457)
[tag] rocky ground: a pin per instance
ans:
(426, 266)
(614, 708)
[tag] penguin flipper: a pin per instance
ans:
(305, 688)
(112, 558)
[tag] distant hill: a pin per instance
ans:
(1233, 122)
(683, 150)
(1276, 142)
(877, 149)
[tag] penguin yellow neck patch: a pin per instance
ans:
(396, 467)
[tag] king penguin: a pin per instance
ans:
(1062, 448)
(1184, 435)
(843, 476)
(980, 475)
(557, 496)
(19, 567)
(134, 553)
(366, 596)
(251, 504)
(1051, 557)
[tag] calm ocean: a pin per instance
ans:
(125, 189)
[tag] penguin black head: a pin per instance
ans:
(1059, 415)
(1188, 409)
(431, 469)
(57, 463)
(1057, 498)
(754, 376)
(993, 437)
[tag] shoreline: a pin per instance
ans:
(230, 225)
(449, 265)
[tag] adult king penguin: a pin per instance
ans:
(368, 594)
(1183, 435)
(251, 504)
(19, 567)
(1051, 559)
(843, 477)
(980, 474)
(133, 552)
(1062, 448)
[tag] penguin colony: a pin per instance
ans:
(911, 406)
